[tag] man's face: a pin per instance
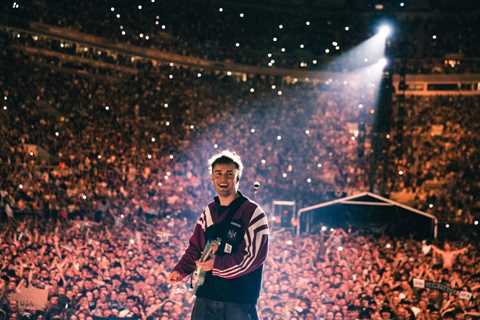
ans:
(225, 177)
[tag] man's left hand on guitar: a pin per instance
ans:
(206, 265)
(214, 248)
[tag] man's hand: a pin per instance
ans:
(175, 276)
(206, 265)
(214, 248)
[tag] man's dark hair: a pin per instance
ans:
(226, 157)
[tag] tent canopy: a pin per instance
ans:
(369, 210)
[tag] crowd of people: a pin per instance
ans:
(102, 270)
(256, 36)
(138, 142)
(437, 154)
(102, 177)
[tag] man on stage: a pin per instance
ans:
(234, 274)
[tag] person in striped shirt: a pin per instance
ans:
(234, 275)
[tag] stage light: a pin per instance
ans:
(383, 62)
(385, 31)
(475, 222)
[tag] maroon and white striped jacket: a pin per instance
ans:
(236, 276)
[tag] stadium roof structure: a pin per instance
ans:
(355, 6)
(369, 210)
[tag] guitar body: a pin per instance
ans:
(198, 276)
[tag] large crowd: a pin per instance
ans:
(307, 39)
(100, 270)
(73, 143)
(102, 178)
(437, 155)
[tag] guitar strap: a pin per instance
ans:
(229, 230)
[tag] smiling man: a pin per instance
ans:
(234, 274)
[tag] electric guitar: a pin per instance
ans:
(198, 276)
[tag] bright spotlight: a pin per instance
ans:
(383, 62)
(385, 31)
